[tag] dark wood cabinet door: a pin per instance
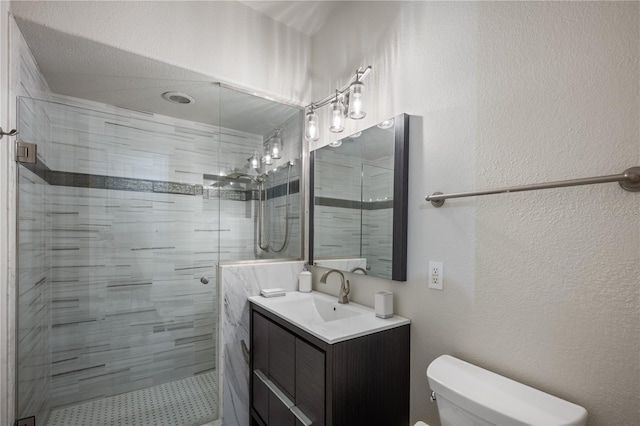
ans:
(310, 381)
(260, 343)
(282, 352)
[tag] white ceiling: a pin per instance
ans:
(82, 68)
(306, 16)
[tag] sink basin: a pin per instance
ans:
(332, 311)
(315, 309)
(325, 318)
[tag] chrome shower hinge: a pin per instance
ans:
(26, 152)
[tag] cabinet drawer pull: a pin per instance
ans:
(300, 416)
(274, 388)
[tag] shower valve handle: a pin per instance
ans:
(204, 280)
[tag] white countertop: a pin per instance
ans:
(299, 309)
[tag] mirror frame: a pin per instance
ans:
(400, 199)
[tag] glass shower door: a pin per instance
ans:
(34, 326)
(118, 248)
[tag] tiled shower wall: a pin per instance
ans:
(130, 244)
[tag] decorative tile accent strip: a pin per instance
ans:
(84, 180)
(281, 190)
(352, 204)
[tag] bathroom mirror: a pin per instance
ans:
(358, 208)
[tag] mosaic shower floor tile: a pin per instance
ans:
(188, 402)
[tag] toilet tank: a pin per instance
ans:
(470, 395)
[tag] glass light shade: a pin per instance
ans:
(276, 148)
(311, 130)
(254, 161)
(337, 116)
(266, 157)
(336, 144)
(355, 101)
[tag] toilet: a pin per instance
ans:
(469, 395)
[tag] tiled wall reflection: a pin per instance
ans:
(353, 212)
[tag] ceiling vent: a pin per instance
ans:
(178, 98)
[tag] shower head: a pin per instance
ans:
(240, 175)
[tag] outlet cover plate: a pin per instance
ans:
(436, 275)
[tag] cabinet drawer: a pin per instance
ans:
(279, 413)
(260, 397)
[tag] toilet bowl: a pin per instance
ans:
(469, 395)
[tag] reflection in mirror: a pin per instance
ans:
(359, 208)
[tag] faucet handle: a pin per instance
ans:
(344, 292)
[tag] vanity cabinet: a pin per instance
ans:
(298, 379)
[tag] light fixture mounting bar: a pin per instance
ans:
(361, 74)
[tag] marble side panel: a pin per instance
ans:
(238, 282)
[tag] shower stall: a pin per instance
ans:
(123, 219)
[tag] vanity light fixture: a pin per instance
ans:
(336, 144)
(355, 100)
(276, 145)
(311, 125)
(345, 102)
(337, 114)
(267, 158)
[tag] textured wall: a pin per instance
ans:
(539, 286)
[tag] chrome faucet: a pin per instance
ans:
(344, 285)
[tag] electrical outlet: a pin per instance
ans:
(436, 275)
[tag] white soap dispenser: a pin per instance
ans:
(304, 281)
